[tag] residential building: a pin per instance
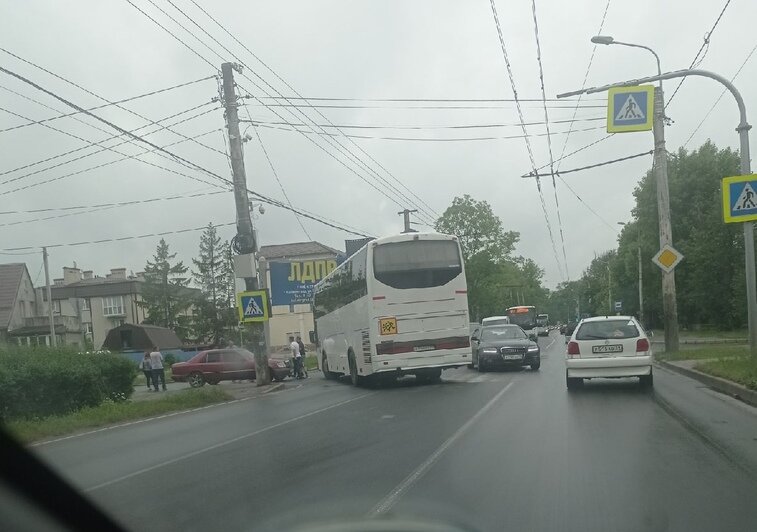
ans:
(291, 272)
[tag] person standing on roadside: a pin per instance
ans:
(158, 372)
(302, 351)
(146, 366)
(294, 347)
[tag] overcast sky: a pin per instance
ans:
(432, 49)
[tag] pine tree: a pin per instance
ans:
(164, 294)
(211, 274)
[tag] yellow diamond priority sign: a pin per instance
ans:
(667, 258)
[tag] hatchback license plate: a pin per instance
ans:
(512, 357)
(607, 349)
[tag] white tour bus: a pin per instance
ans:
(398, 306)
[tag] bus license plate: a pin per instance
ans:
(421, 348)
(607, 349)
(512, 357)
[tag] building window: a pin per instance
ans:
(113, 306)
(56, 306)
(85, 304)
(87, 328)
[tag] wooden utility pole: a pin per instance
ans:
(50, 313)
(406, 216)
(245, 239)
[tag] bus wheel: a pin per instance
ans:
(325, 368)
(354, 377)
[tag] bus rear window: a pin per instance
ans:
(417, 263)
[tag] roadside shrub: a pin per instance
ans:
(169, 359)
(43, 382)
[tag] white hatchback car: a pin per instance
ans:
(608, 347)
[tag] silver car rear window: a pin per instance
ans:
(607, 330)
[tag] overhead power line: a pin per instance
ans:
(108, 163)
(583, 83)
(102, 98)
(418, 202)
(453, 100)
(422, 139)
(722, 93)
(597, 165)
(109, 104)
(549, 136)
(281, 185)
(408, 127)
(705, 46)
(99, 144)
(436, 107)
(525, 133)
(226, 181)
(338, 146)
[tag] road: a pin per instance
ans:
(497, 451)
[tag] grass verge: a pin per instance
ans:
(109, 412)
(705, 333)
(742, 370)
(311, 362)
(706, 352)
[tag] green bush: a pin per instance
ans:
(169, 360)
(44, 382)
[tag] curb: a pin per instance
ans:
(272, 388)
(737, 391)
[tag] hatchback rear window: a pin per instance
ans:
(607, 329)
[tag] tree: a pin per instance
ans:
(496, 279)
(164, 294)
(478, 228)
(212, 272)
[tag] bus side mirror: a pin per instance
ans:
(313, 337)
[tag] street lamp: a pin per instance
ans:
(641, 278)
(669, 305)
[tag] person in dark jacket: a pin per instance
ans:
(146, 366)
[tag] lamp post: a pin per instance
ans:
(669, 305)
(641, 276)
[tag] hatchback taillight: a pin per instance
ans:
(573, 348)
(642, 345)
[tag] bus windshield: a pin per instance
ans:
(525, 317)
(417, 264)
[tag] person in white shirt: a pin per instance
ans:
(294, 347)
(158, 372)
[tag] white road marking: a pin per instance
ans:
(223, 444)
(387, 502)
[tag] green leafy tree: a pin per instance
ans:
(496, 278)
(212, 271)
(165, 296)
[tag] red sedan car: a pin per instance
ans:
(218, 365)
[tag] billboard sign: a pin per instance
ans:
(292, 281)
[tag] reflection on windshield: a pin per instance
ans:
(503, 333)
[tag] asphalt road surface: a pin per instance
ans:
(506, 450)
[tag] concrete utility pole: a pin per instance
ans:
(406, 216)
(245, 239)
(669, 304)
(51, 315)
(743, 130)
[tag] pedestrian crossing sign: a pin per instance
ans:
(253, 306)
(739, 198)
(630, 108)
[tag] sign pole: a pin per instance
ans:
(751, 278)
(669, 304)
(743, 129)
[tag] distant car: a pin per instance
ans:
(503, 346)
(495, 320)
(216, 365)
(608, 347)
(569, 329)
